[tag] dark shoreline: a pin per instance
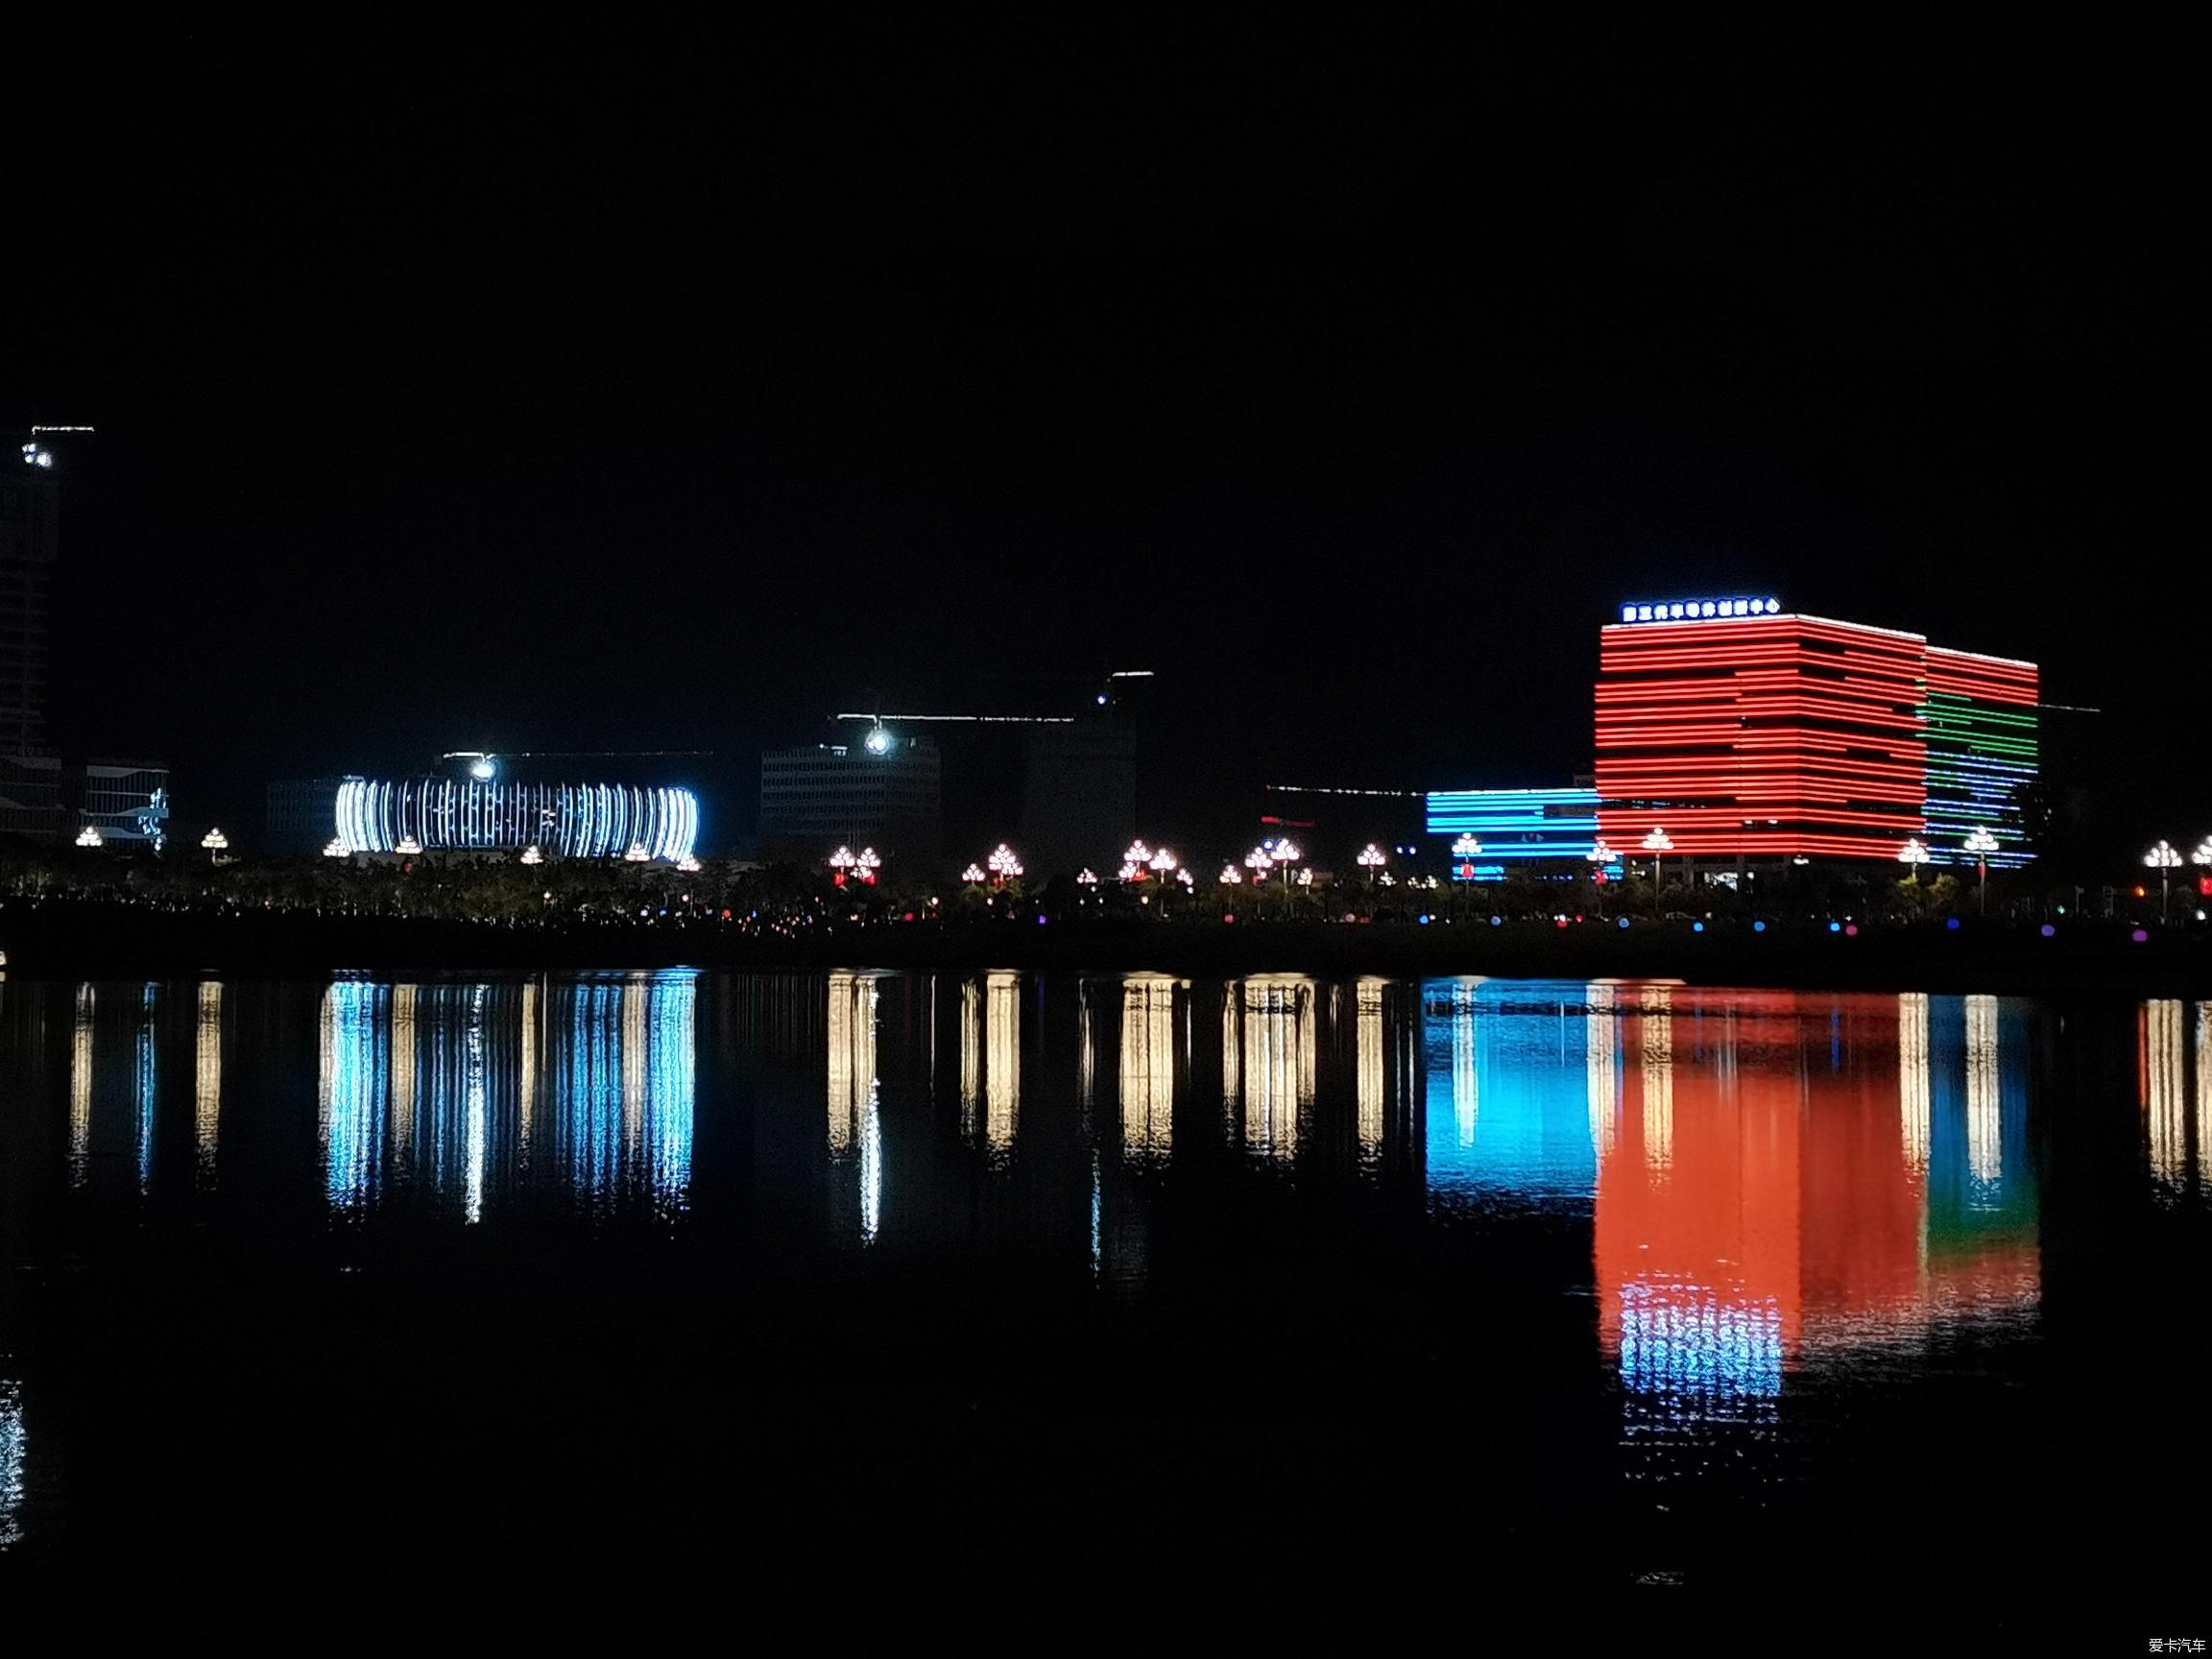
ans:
(55, 938)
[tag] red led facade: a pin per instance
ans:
(1762, 737)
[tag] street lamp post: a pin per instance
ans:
(1370, 858)
(1981, 843)
(1465, 848)
(1163, 864)
(1657, 843)
(216, 842)
(2163, 860)
(1004, 866)
(1285, 853)
(1912, 854)
(1600, 856)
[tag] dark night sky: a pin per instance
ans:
(567, 390)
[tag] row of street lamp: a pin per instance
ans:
(2164, 859)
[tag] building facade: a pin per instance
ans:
(817, 797)
(123, 801)
(476, 809)
(1078, 795)
(29, 775)
(302, 815)
(1748, 733)
(1513, 829)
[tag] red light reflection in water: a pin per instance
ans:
(1790, 1173)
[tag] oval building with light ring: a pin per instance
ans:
(485, 813)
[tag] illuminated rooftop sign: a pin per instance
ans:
(1698, 609)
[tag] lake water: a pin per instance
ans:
(1381, 1299)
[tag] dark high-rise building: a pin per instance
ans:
(886, 793)
(302, 814)
(1079, 796)
(30, 777)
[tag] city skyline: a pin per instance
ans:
(536, 418)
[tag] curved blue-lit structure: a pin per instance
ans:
(479, 815)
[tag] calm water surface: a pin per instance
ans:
(1379, 1291)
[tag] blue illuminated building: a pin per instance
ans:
(1517, 827)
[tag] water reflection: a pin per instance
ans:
(855, 1109)
(1799, 1176)
(1519, 1090)
(81, 1029)
(1002, 1058)
(114, 1109)
(1267, 1061)
(991, 1059)
(2173, 1049)
(1368, 1016)
(1148, 1065)
(1712, 1205)
(434, 1088)
(12, 1456)
(208, 1079)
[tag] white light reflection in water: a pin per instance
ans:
(1984, 1108)
(1601, 1053)
(970, 1058)
(1086, 1055)
(1913, 1086)
(207, 1078)
(81, 1086)
(2204, 1122)
(1466, 1090)
(1001, 1058)
(1657, 1025)
(1148, 1065)
(2165, 1093)
(1278, 1061)
(1367, 1022)
(855, 1108)
(402, 1078)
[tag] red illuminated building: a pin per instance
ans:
(1747, 733)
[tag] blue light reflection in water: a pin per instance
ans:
(460, 1092)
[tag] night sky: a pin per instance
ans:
(576, 390)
